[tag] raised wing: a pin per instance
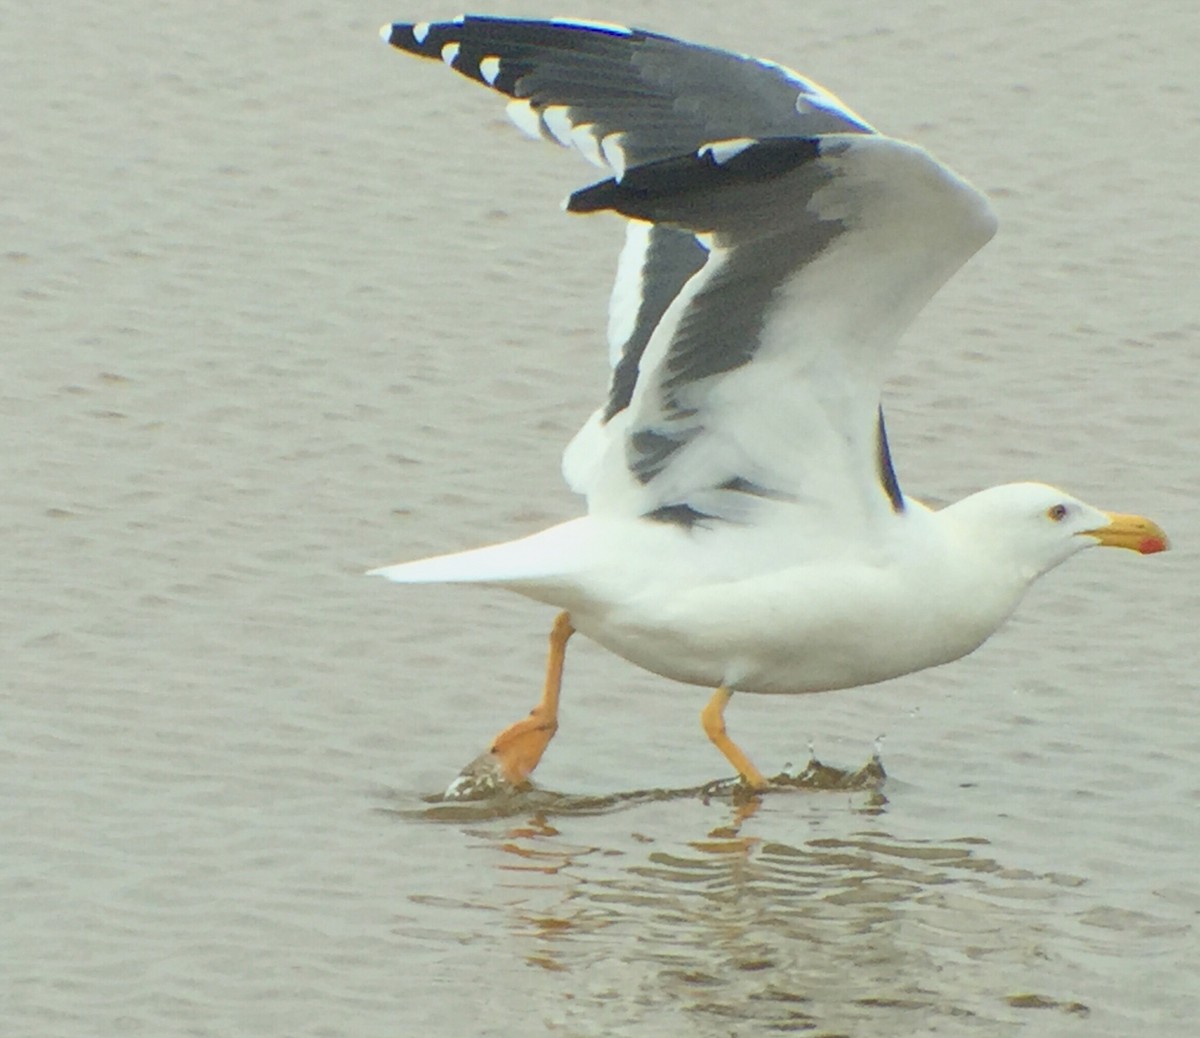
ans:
(760, 385)
(623, 98)
(777, 248)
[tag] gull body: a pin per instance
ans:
(731, 607)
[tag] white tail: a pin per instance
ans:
(534, 560)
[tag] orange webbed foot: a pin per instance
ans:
(517, 750)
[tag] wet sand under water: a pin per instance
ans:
(281, 305)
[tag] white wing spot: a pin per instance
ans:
(558, 122)
(612, 147)
(722, 151)
(449, 53)
(489, 68)
(420, 31)
(524, 118)
(385, 33)
(584, 138)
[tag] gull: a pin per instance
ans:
(745, 528)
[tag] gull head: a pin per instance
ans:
(1039, 526)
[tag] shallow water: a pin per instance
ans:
(281, 305)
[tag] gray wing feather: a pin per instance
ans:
(630, 97)
(766, 371)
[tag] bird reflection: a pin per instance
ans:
(773, 917)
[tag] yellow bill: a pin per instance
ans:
(1135, 532)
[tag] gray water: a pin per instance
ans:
(280, 305)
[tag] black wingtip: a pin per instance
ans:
(393, 34)
(592, 199)
(654, 190)
(415, 38)
(887, 473)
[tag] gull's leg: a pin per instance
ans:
(712, 718)
(518, 749)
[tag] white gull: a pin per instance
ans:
(745, 529)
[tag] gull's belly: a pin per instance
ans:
(786, 635)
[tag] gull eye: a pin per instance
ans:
(1056, 513)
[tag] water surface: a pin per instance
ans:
(280, 305)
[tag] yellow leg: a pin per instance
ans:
(518, 749)
(712, 718)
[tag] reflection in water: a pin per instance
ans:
(788, 937)
(742, 930)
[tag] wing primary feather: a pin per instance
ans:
(887, 473)
(640, 189)
(670, 260)
(679, 515)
